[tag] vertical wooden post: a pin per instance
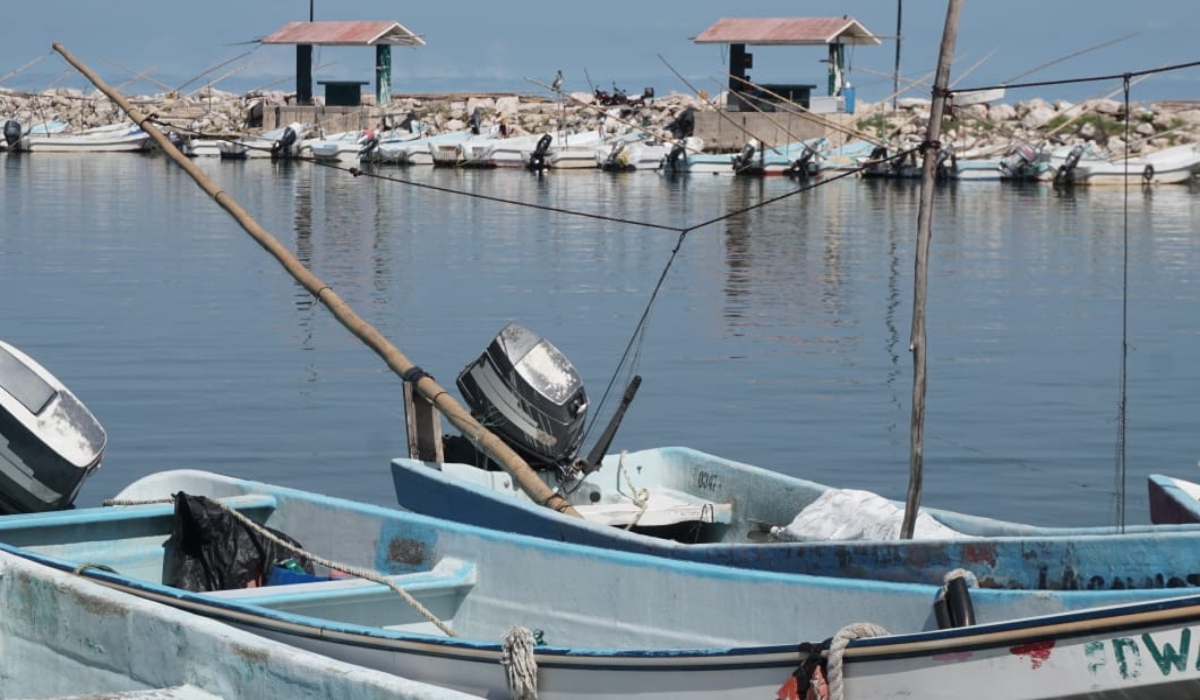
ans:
(383, 76)
(924, 233)
(424, 424)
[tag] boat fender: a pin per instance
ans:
(1148, 173)
(12, 132)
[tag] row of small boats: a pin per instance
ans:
(1078, 164)
(685, 574)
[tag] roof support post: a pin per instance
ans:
(304, 95)
(383, 75)
(737, 77)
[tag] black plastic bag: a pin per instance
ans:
(210, 550)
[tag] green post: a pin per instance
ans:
(383, 75)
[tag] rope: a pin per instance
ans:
(971, 578)
(837, 648)
(520, 667)
(353, 571)
(641, 497)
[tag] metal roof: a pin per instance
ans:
(787, 31)
(344, 34)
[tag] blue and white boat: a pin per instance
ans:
(63, 635)
(1173, 501)
(502, 615)
(682, 504)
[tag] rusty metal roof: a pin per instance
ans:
(787, 31)
(344, 34)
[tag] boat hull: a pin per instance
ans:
(737, 508)
(1173, 501)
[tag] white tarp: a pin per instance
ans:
(849, 514)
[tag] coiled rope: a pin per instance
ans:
(520, 667)
(837, 649)
(344, 568)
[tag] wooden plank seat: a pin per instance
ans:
(663, 507)
(448, 576)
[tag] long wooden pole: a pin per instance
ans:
(924, 233)
(487, 441)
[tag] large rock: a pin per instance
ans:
(1038, 116)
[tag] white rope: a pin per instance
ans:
(641, 497)
(520, 667)
(971, 579)
(837, 648)
(345, 568)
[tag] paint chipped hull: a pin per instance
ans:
(728, 511)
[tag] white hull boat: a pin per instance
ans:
(1175, 165)
(63, 635)
(283, 142)
(501, 615)
(113, 139)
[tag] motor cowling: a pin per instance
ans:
(12, 132)
(803, 167)
(1066, 172)
(368, 144)
(284, 145)
(743, 159)
(476, 121)
(537, 159)
(677, 154)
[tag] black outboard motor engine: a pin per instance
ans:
(677, 154)
(1065, 175)
(537, 159)
(410, 122)
(745, 159)
(684, 124)
(282, 148)
(476, 120)
(529, 394)
(804, 166)
(12, 132)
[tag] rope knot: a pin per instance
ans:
(520, 666)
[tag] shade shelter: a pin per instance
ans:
(383, 35)
(834, 32)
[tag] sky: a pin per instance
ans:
(495, 46)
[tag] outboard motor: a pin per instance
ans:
(804, 166)
(615, 161)
(368, 144)
(1065, 175)
(177, 141)
(410, 123)
(476, 120)
(684, 124)
(745, 159)
(12, 132)
(945, 162)
(528, 393)
(1012, 165)
(283, 147)
(537, 159)
(677, 154)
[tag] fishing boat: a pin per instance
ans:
(1084, 165)
(502, 615)
(106, 139)
(344, 146)
(1173, 500)
(63, 636)
(283, 142)
(50, 442)
(798, 159)
(680, 503)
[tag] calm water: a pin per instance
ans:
(780, 337)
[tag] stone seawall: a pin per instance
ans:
(976, 129)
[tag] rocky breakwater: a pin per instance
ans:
(979, 129)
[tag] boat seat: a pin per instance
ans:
(449, 575)
(663, 507)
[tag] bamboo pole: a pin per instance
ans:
(924, 232)
(488, 442)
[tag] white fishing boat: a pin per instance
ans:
(343, 147)
(108, 139)
(64, 636)
(283, 142)
(502, 615)
(1083, 165)
(564, 151)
